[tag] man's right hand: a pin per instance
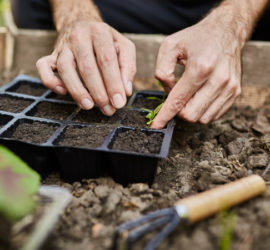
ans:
(105, 60)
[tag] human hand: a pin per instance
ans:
(211, 53)
(104, 58)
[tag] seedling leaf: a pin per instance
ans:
(153, 98)
(160, 84)
(18, 184)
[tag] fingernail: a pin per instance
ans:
(108, 110)
(87, 104)
(60, 90)
(129, 88)
(118, 101)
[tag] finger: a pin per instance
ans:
(45, 67)
(108, 62)
(127, 60)
(168, 55)
(67, 71)
(225, 108)
(185, 88)
(86, 62)
(205, 96)
(220, 105)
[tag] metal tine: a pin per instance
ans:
(146, 218)
(174, 221)
(147, 227)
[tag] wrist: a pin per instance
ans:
(230, 23)
(68, 12)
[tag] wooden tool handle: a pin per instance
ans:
(207, 203)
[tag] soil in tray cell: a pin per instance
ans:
(13, 104)
(87, 137)
(66, 97)
(135, 119)
(4, 119)
(138, 141)
(95, 116)
(52, 111)
(34, 132)
(28, 88)
(141, 101)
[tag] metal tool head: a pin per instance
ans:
(133, 230)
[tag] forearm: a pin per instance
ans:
(65, 12)
(239, 17)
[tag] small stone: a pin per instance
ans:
(96, 209)
(88, 198)
(223, 170)
(235, 147)
(139, 188)
(96, 229)
(240, 125)
(113, 199)
(129, 215)
(159, 170)
(261, 124)
(258, 161)
(76, 185)
(102, 191)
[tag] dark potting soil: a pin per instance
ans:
(201, 157)
(4, 119)
(52, 111)
(66, 97)
(135, 119)
(96, 116)
(35, 132)
(142, 102)
(138, 141)
(12, 104)
(89, 137)
(29, 89)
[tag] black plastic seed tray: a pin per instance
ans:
(51, 132)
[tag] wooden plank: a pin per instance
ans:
(2, 47)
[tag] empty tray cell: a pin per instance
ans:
(13, 104)
(31, 131)
(83, 136)
(28, 88)
(53, 111)
(135, 119)
(4, 119)
(66, 97)
(96, 116)
(148, 101)
(147, 142)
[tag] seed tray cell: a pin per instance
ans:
(13, 104)
(66, 97)
(27, 88)
(4, 119)
(52, 133)
(143, 99)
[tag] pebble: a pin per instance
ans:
(138, 188)
(113, 199)
(88, 198)
(129, 215)
(258, 161)
(102, 191)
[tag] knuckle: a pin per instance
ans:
(176, 105)
(161, 75)
(233, 87)
(99, 26)
(189, 117)
(203, 67)
(238, 92)
(106, 59)
(60, 67)
(133, 70)
(40, 62)
(85, 67)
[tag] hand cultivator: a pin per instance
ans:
(189, 210)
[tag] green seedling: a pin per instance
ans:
(18, 185)
(152, 113)
(227, 225)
